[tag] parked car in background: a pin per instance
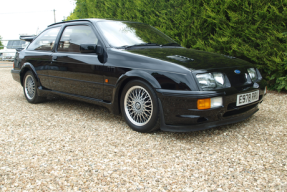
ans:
(9, 51)
(134, 69)
(8, 56)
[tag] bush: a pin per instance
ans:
(279, 77)
(1, 45)
(252, 30)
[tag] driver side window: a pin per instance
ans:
(74, 36)
(45, 41)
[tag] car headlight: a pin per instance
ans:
(210, 80)
(252, 73)
(219, 78)
(206, 80)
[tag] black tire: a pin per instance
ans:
(30, 88)
(140, 112)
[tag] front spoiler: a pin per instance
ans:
(203, 126)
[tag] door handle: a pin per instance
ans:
(54, 58)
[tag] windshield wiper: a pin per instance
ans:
(140, 44)
(171, 44)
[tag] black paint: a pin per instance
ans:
(170, 70)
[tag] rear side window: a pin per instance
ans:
(45, 41)
(74, 36)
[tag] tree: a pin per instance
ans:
(1, 45)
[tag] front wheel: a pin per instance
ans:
(139, 106)
(30, 88)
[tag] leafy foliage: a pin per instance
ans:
(252, 30)
(280, 76)
(1, 45)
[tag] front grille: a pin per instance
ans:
(241, 110)
(236, 80)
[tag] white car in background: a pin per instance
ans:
(8, 56)
(9, 51)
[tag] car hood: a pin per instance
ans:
(191, 58)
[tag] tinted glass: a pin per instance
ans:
(45, 41)
(74, 36)
(125, 33)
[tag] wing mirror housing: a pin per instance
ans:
(91, 48)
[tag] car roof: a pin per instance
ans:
(90, 20)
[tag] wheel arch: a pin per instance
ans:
(131, 76)
(28, 67)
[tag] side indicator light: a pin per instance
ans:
(13, 65)
(106, 80)
(203, 103)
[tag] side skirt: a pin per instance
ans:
(44, 92)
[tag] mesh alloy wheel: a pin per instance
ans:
(29, 87)
(138, 105)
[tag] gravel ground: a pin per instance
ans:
(66, 145)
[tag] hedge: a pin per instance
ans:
(253, 30)
(1, 43)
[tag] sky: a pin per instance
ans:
(31, 16)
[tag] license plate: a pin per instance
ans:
(246, 98)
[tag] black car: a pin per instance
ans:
(134, 69)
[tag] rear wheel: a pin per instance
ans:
(30, 88)
(139, 106)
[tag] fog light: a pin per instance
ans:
(216, 102)
(209, 103)
(203, 103)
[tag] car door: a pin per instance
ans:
(39, 54)
(74, 72)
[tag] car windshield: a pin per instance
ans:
(123, 34)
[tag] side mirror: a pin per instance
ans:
(91, 48)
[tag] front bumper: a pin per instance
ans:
(179, 111)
